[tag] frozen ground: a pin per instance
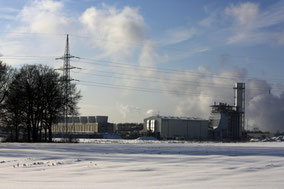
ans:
(142, 164)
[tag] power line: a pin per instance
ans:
(124, 65)
(34, 33)
(146, 68)
(142, 89)
(160, 70)
(152, 69)
(170, 81)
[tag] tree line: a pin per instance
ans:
(32, 99)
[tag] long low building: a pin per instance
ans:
(177, 127)
(83, 124)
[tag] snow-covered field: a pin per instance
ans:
(142, 164)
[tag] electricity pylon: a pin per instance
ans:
(66, 79)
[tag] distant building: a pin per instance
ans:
(224, 120)
(84, 124)
(259, 134)
(177, 127)
(129, 130)
(228, 122)
(81, 124)
(103, 125)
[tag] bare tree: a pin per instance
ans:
(5, 77)
(36, 97)
(6, 74)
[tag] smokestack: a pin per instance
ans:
(239, 103)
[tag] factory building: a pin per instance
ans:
(227, 122)
(224, 120)
(103, 125)
(176, 127)
(83, 124)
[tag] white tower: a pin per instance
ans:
(239, 103)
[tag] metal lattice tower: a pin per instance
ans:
(66, 79)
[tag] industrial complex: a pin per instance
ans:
(226, 122)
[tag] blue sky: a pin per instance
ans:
(140, 58)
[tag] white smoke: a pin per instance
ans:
(148, 58)
(152, 112)
(264, 109)
(128, 111)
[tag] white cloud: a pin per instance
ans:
(280, 38)
(43, 17)
(7, 17)
(7, 13)
(179, 35)
(210, 20)
(36, 17)
(114, 31)
(245, 14)
(251, 24)
(207, 22)
(8, 10)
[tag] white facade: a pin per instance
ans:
(177, 127)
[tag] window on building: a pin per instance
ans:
(148, 125)
(152, 126)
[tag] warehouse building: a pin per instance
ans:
(83, 124)
(176, 127)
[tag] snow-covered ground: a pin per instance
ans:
(142, 164)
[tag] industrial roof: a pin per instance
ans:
(177, 118)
